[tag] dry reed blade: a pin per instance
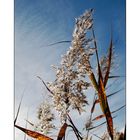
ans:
(97, 136)
(97, 101)
(59, 42)
(101, 91)
(115, 92)
(111, 84)
(72, 123)
(102, 116)
(99, 117)
(45, 84)
(108, 63)
(102, 95)
(33, 134)
(62, 131)
(74, 128)
(125, 133)
(118, 109)
(105, 107)
(26, 124)
(108, 96)
(29, 123)
(115, 76)
(100, 124)
(97, 57)
(94, 103)
(93, 80)
(18, 108)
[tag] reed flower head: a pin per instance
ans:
(45, 117)
(117, 135)
(70, 83)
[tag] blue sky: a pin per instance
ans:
(41, 22)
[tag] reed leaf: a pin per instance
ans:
(105, 107)
(108, 63)
(93, 80)
(62, 131)
(93, 106)
(97, 56)
(115, 76)
(101, 89)
(33, 134)
(76, 131)
(108, 96)
(102, 116)
(26, 126)
(18, 109)
(29, 123)
(59, 42)
(100, 124)
(114, 93)
(97, 136)
(45, 84)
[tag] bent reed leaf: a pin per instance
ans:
(62, 131)
(33, 134)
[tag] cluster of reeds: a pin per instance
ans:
(73, 77)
